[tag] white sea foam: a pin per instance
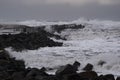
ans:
(98, 41)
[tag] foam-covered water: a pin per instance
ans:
(98, 41)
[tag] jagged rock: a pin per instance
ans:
(12, 69)
(60, 28)
(76, 64)
(43, 69)
(17, 65)
(118, 78)
(109, 77)
(9, 65)
(67, 70)
(4, 54)
(73, 76)
(88, 75)
(106, 77)
(34, 72)
(99, 78)
(29, 41)
(101, 63)
(88, 67)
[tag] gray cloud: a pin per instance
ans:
(71, 2)
(59, 10)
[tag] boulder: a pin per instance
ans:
(60, 28)
(118, 78)
(109, 77)
(34, 72)
(101, 63)
(76, 65)
(73, 76)
(88, 67)
(67, 69)
(43, 69)
(17, 65)
(4, 54)
(88, 75)
(99, 78)
(106, 77)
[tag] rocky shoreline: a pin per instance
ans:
(31, 38)
(12, 69)
(28, 41)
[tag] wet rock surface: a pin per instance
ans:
(88, 67)
(118, 78)
(88, 75)
(12, 69)
(28, 41)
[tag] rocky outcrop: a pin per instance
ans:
(106, 77)
(29, 41)
(89, 75)
(59, 28)
(88, 67)
(9, 66)
(118, 78)
(12, 69)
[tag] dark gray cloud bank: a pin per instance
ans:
(54, 10)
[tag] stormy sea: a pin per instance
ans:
(54, 44)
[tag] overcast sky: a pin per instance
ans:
(55, 10)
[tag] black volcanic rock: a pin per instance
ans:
(88, 67)
(109, 77)
(118, 78)
(101, 63)
(8, 66)
(4, 55)
(59, 28)
(29, 41)
(106, 77)
(12, 69)
(90, 75)
(68, 71)
(76, 65)
(72, 76)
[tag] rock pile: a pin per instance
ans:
(28, 41)
(11, 69)
(59, 28)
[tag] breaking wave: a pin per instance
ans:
(98, 41)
